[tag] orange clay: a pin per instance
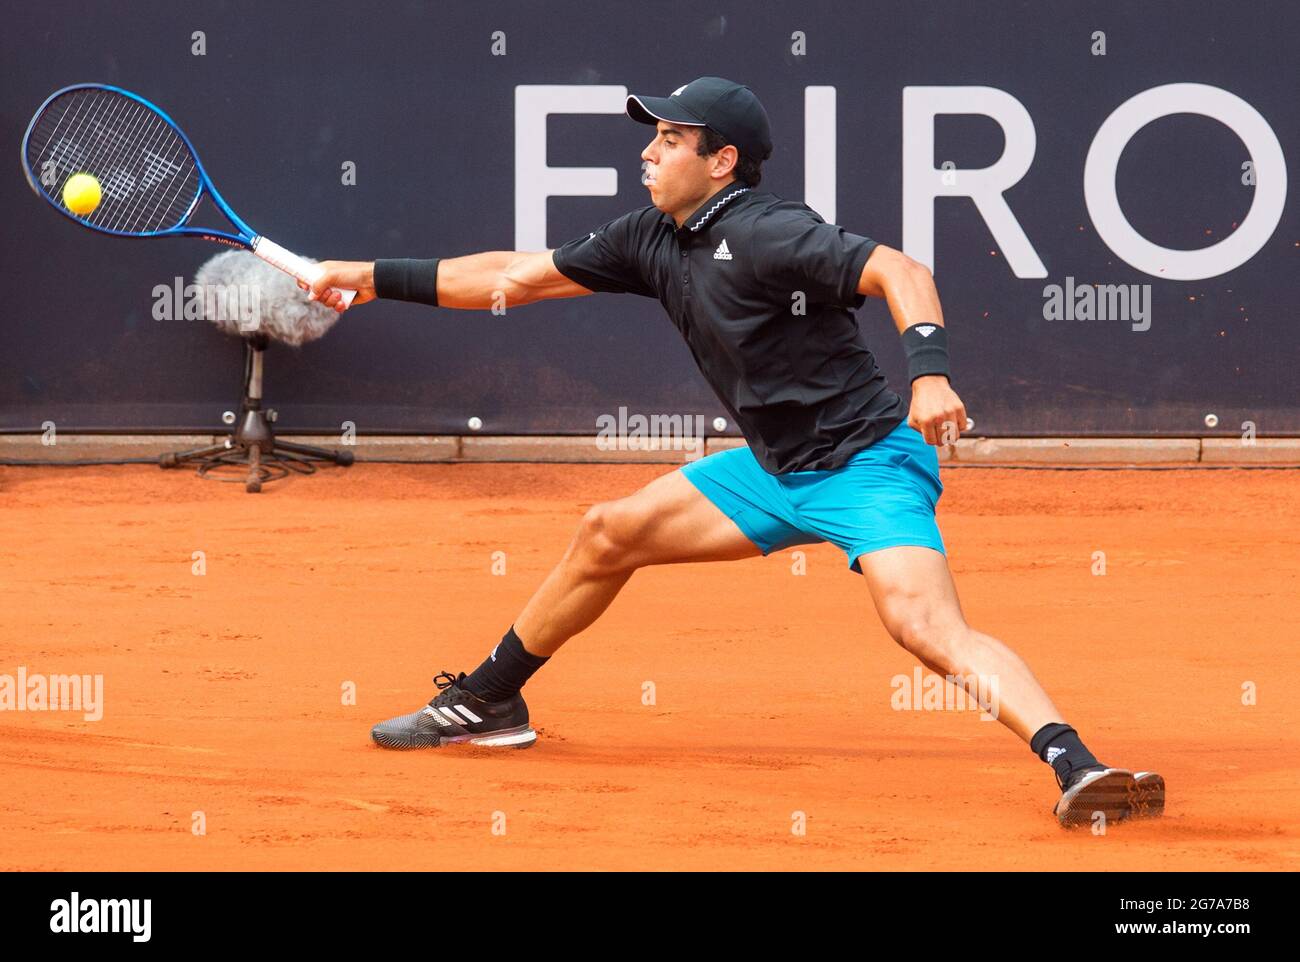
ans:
(224, 692)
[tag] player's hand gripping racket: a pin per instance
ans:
(112, 161)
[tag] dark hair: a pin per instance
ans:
(749, 170)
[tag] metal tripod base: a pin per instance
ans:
(251, 453)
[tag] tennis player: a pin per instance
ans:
(764, 292)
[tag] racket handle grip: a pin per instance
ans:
(291, 263)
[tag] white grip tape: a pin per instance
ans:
(291, 263)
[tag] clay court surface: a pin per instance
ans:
(223, 692)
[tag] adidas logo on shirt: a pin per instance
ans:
(723, 253)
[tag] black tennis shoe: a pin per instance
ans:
(455, 716)
(1115, 792)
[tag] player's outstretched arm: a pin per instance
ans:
(476, 281)
(908, 287)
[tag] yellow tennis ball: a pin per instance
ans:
(81, 194)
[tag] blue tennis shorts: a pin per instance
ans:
(882, 498)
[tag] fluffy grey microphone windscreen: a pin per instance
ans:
(242, 294)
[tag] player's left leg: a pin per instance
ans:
(917, 601)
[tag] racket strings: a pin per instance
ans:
(148, 176)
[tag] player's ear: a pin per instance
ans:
(725, 160)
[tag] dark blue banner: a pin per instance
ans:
(1101, 190)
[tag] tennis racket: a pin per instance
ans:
(149, 175)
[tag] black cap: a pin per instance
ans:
(729, 108)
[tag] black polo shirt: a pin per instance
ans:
(764, 291)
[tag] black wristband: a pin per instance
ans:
(926, 347)
(405, 279)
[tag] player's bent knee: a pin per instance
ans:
(927, 638)
(607, 537)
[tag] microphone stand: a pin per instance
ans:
(252, 450)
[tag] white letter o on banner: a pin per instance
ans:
(1150, 105)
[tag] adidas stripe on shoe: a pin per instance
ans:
(455, 716)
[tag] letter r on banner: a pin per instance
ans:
(923, 182)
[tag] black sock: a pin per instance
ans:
(505, 671)
(1058, 744)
